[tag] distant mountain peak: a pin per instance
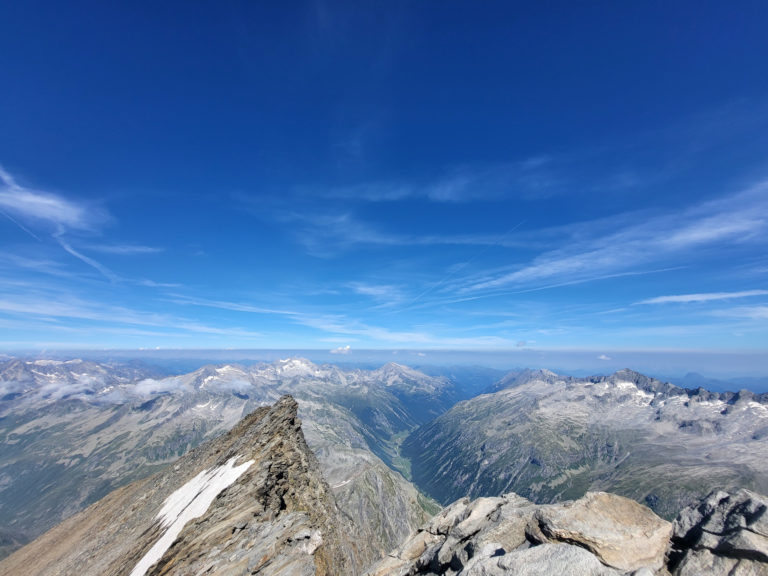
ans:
(295, 363)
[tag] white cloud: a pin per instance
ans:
(37, 206)
(732, 220)
(327, 234)
(124, 249)
(386, 295)
(533, 177)
(603, 357)
(748, 312)
(234, 306)
(341, 350)
(106, 272)
(705, 297)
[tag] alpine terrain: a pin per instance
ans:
(550, 438)
(72, 431)
(253, 500)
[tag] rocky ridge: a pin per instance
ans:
(600, 534)
(251, 501)
(72, 431)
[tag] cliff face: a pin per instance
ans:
(251, 500)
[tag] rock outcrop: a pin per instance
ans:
(598, 535)
(601, 534)
(251, 501)
(724, 534)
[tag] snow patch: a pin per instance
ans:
(758, 406)
(226, 368)
(46, 362)
(624, 385)
(187, 503)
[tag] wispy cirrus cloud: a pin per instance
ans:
(746, 312)
(106, 272)
(705, 297)
(384, 294)
(124, 249)
(36, 206)
(728, 221)
(56, 311)
(339, 324)
(326, 235)
(43, 214)
(532, 177)
(227, 305)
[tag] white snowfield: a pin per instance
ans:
(187, 503)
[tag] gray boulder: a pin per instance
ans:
(561, 559)
(600, 535)
(727, 533)
(620, 532)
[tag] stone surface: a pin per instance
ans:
(560, 559)
(620, 532)
(727, 533)
(601, 534)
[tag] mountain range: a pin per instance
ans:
(386, 441)
(254, 501)
(550, 437)
(72, 431)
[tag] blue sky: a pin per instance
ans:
(384, 175)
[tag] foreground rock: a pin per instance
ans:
(620, 532)
(725, 534)
(599, 535)
(252, 501)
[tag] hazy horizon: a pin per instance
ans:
(659, 364)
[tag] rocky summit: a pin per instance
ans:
(600, 534)
(251, 501)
